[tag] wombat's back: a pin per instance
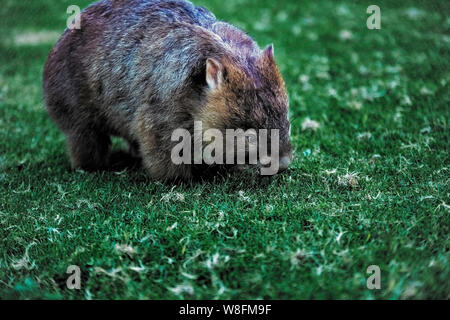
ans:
(126, 53)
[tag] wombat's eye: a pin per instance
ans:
(225, 75)
(252, 139)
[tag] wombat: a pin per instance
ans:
(139, 69)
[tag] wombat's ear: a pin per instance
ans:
(268, 53)
(214, 73)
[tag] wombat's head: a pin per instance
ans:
(250, 94)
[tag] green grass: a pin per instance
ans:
(370, 186)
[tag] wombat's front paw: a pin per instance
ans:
(121, 160)
(88, 149)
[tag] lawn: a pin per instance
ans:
(369, 184)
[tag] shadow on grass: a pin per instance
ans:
(123, 164)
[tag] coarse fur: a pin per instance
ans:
(140, 69)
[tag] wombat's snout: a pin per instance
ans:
(284, 163)
(277, 166)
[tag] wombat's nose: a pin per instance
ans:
(284, 163)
